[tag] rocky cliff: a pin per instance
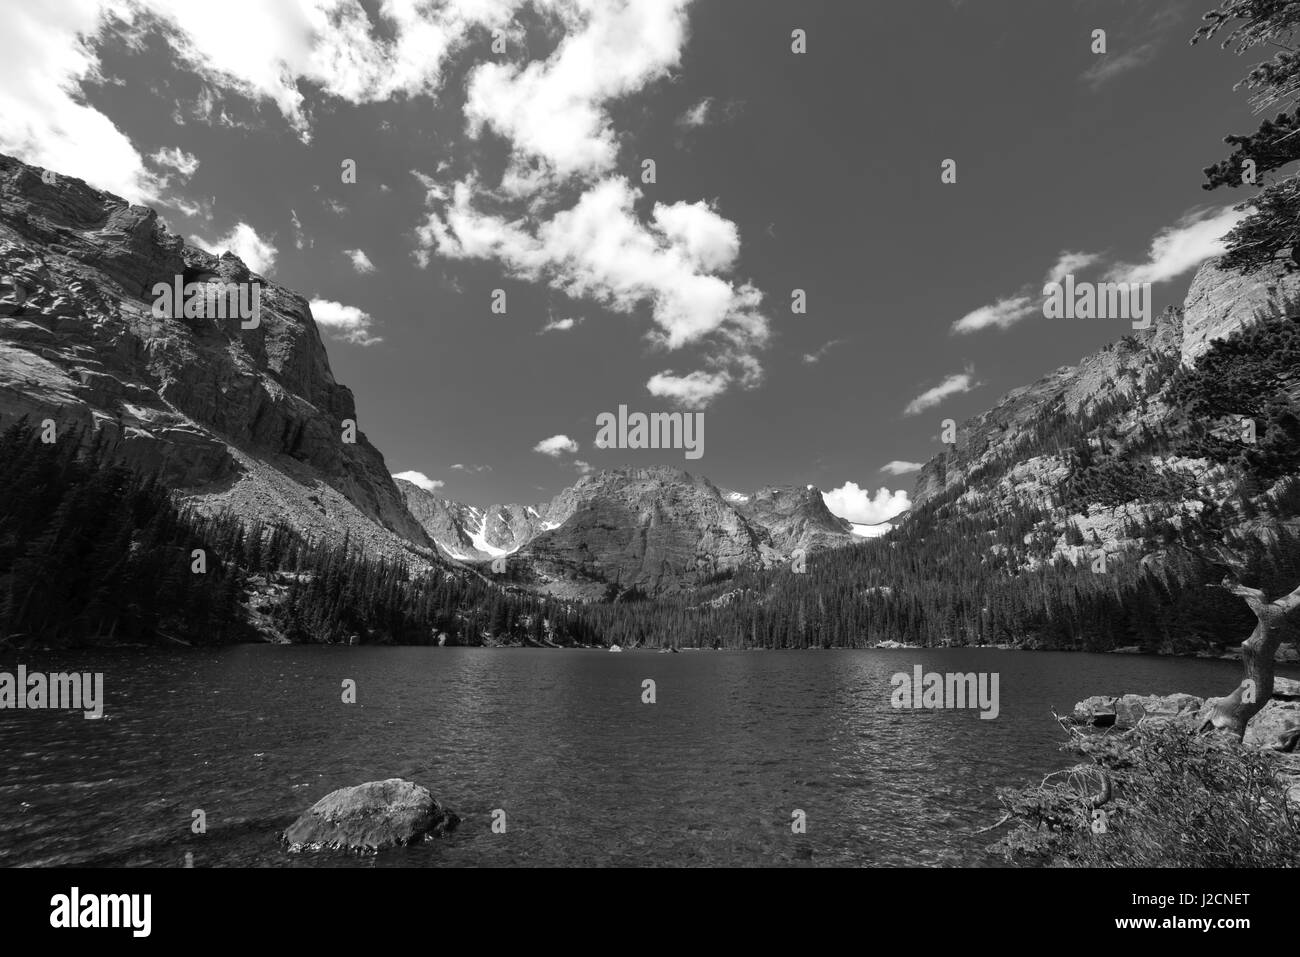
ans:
(234, 418)
(1217, 304)
(1106, 463)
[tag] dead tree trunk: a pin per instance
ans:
(1230, 715)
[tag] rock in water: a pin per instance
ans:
(371, 816)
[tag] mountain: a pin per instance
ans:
(633, 531)
(1110, 444)
(468, 533)
(242, 420)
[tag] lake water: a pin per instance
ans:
(560, 740)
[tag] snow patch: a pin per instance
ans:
(479, 540)
(870, 531)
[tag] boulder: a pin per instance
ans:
(1099, 710)
(1126, 711)
(1131, 709)
(370, 816)
(1286, 689)
(1275, 727)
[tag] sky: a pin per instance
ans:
(502, 268)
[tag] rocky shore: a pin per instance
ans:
(1275, 729)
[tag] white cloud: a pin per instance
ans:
(459, 467)
(601, 250)
(1196, 237)
(257, 253)
(254, 49)
(694, 390)
(346, 323)
(553, 112)
(1069, 263)
(556, 446)
(859, 506)
(697, 115)
(584, 468)
(1175, 250)
(1111, 65)
(811, 358)
(297, 229)
(360, 261)
(560, 325)
(177, 159)
(1004, 314)
(420, 479)
(46, 60)
(953, 385)
(899, 467)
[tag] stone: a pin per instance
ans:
(1127, 711)
(1274, 727)
(370, 817)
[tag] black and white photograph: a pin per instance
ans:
(764, 435)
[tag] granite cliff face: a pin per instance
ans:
(648, 530)
(245, 419)
(1217, 304)
(1117, 409)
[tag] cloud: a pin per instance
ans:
(953, 385)
(810, 358)
(345, 323)
(1003, 314)
(1111, 65)
(584, 468)
(258, 254)
(694, 391)
(697, 115)
(261, 52)
(560, 325)
(561, 213)
(48, 57)
(458, 467)
(1175, 250)
(553, 112)
(860, 507)
(600, 249)
(420, 479)
(360, 261)
(297, 229)
(1196, 237)
(556, 446)
(899, 467)
(1069, 263)
(186, 164)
